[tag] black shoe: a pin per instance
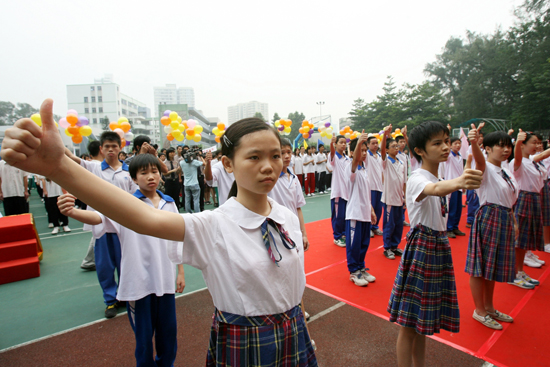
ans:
(397, 251)
(88, 267)
(389, 254)
(111, 311)
(450, 234)
(458, 232)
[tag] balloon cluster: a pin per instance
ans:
(326, 130)
(122, 128)
(307, 129)
(283, 126)
(176, 128)
(219, 131)
(349, 133)
(75, 127)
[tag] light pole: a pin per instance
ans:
(320, 107)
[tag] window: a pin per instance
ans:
(100, 99)
(100, 109)
(99, 88)
(93, 99)
(124, 102)
(124, 111)
(93, 110)
(86, 110)
(92, 88)
(95, 121)
(85, 99)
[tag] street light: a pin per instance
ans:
(320, 107)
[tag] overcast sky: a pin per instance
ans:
(289, 54)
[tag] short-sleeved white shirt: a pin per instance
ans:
(227, 245)
(145, 267)
(375, 171)
(406, 159)
(225, 181)
(494, 189)
(529, 178)
(13, 180)
(427, 211)
(339, 187)
(120, 178)
(321, 167)
(298, 165)
(53, 189)
(359, 207)
(309, 168)
(288, 192)
(415, 164)
(454, 167)
(395, 177)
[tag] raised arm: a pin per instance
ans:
(357, 152)
(518, 154)
(543, 155)
(65, 203)
(332, 149)
(387, 133)
(208, 167)
(473, 137)
(70, 154)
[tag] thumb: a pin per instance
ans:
(468, 162)
(362, 132)
(46, 114)
(520, 130)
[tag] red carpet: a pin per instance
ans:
(519, 344)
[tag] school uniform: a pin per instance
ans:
(545, 194)
(471, 195)
(375, 184)
(528, 209)
(491, 252)
(299, 169)
(424, 291)
(406, 159)
(328, 172)
(415, 164)
(54, 214)
(321, 168)
(453, 169)
(395, 177)
(288, 192)
(13, 189)
(358, 218)
(256, 287)
(309, 173)
(339, 194)
(107, 247)
(224, 180)
(147, 278)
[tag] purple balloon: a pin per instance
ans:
(327, 124)
(167, 113)
(82, 121)
(281, 128)
(128, 143)
(347, 140)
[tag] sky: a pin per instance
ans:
(289, 54)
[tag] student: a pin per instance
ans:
(359, 213)
(147, 275)
(320, 166)
(250, 283)
(426, 263)
(13, 189)
(309, 172)
(402, 143)
(453, 169)
(189, 167)
(375, 183)
(530, 177)
(299, 166)
(51, 192)
(339, 194)
(395, 177)
(107, 247)
(217, 173)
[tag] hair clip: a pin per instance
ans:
(226, 140)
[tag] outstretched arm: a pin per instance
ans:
(473, 137)
(65, 203)
(387, 133)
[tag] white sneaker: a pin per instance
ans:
(547, 248)
(371, 234)
(527, 278)
(358, 279)
(312, 194)
(308, 195)
(66, 229)
(340, 242)
(520, 282)
(50, 225)
(535, 258)
(370, 278)
(530, 262)
(55, 230)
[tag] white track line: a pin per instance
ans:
(323, 313)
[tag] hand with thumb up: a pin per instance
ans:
(471, 178)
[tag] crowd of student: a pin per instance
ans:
(251, 249)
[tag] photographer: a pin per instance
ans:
(192, 159)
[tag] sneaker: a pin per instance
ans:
(66, 229)
(547, 248)
(55, 230)
(111, 311)
(520, 282)
(389, 254)
(308, 195)
(406, 224)
(487, 320)
(397, 252)
(530, 262)
(306, 315)
(451, 234)
(468, 225)
(371, 234)
(358, 279)
(312, 194)
(88, 267)
(369, 277)
(458, 232)
(527, 278)
(378, 232)
(340, 242)
(50, 225)
(535, 258)
(497, 315)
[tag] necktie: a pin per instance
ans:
(444, 207)
(508, 180)
(285, 239)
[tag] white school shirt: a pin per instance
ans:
(288, 192)
(359, 207)
(291, 166)
(39, 179)
(12, 180)
(405, 158)
(454, 166)
(328, 166)
(226, 245)
(415, 164)
(225, 181)
(310, 168)
(321, 167)
(53, 189)
(427, 211)
(528, 177)
(214, 183)
(494, 189)
(339, 186)
(395, 177)
(145, 267)
(120, 178)
(298, 165)
(375, 171)
(546, 163)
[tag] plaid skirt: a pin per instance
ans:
(280, 340)
(491, 252)
(529, 217)
(546, 203)
(424, 291)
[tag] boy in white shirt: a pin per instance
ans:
(13, 189)
(216, 173)
(393, 196)
(147, 275)
(453, 169)
(402, 142)
(375, 182)
(321, 163)
(340, 192)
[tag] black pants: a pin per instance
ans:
(39, 191)
(15, 205)
(322, 181)
(201, 185)
(54, 215)
(172, 188)
(328, 179)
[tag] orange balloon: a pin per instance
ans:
(190, 132)
(113, 125)
(305, 136)
(301, 131)
(77, 139)
(125, 126)
(305, 123)
(221, 126)
(122, 143)
(217, 139)
(74, 130)
(72, 119)
(165, 120)
(169, 136)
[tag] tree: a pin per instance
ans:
(275, 117)
(297, 119)
(6, 113)
(259, 115)
(105, 123)
(24, 110)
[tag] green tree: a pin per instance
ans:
(259, 115)
(7, 113)
(275, 117)
(105, 123)
(297, 119)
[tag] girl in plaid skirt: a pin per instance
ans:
(491, 255)
(423, 298)
(542, 149)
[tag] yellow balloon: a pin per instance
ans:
(216, 131)
(174, 125)
(197, 138)
(179, 137)
(323, 134)
(277, 123)
(122, 119)
(188, 137)
(85, 130)
(329, 136)
(36, 118)
(198, 129)
(173, 115)
(179, 119)
(305, 129)
(176, 133)
(287, 129)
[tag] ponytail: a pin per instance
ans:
(233, 191)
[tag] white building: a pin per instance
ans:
(244, 110)
(171, 94)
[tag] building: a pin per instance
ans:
(244, 110)
(172, 95)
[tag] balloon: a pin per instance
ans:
(323, 134)
(182, 127)
(73, 130)
(191, 123)
(179, 119)
(166, 113)
(129, 136)
(216, 131)
(72, 119)
(176, 133)
(305, 123)
(77, 139)
(168, 129)
(83, 121)
(281, 128)
(305, 129)
(305, 135)
(217, 139)
(85, 131)
(329, 130)
(180, 137)
(187, 137)
(347, 135)
(327, 124)
(190, 132)
(122, 119)
(63, 123)
(165, 120)
(68, 133)
(122, 142)
(37, 119)
(196, 138)
(169, 137)
(113, 125)
(287, 130)
(174, 124)
(198, 129)
(329, 136)
(120, 132)
(347, 140)
(173, 115)
(277, 123)
(72, 112)
(128, 143)
(221, 126)
(125, 126)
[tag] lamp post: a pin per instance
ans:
(320, 107)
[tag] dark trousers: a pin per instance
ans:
(107, 260)
(455, 210)
(473, 205)
(376, 202)
(172, 189)
(54, 215)
(322, 181)
(201, 185)
(357, 244)
(338, 217)
(329, 179)
(14, 205)
(39, 191)
(393, 226)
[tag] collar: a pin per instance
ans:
(289, 172)
(371, 154)
(455, 154)
(138, 194)
(248, 219)
(105, 165)
(392, 160)
(360, 166)
(338, 155)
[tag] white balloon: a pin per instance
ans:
(129, 136)
(168, 129)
